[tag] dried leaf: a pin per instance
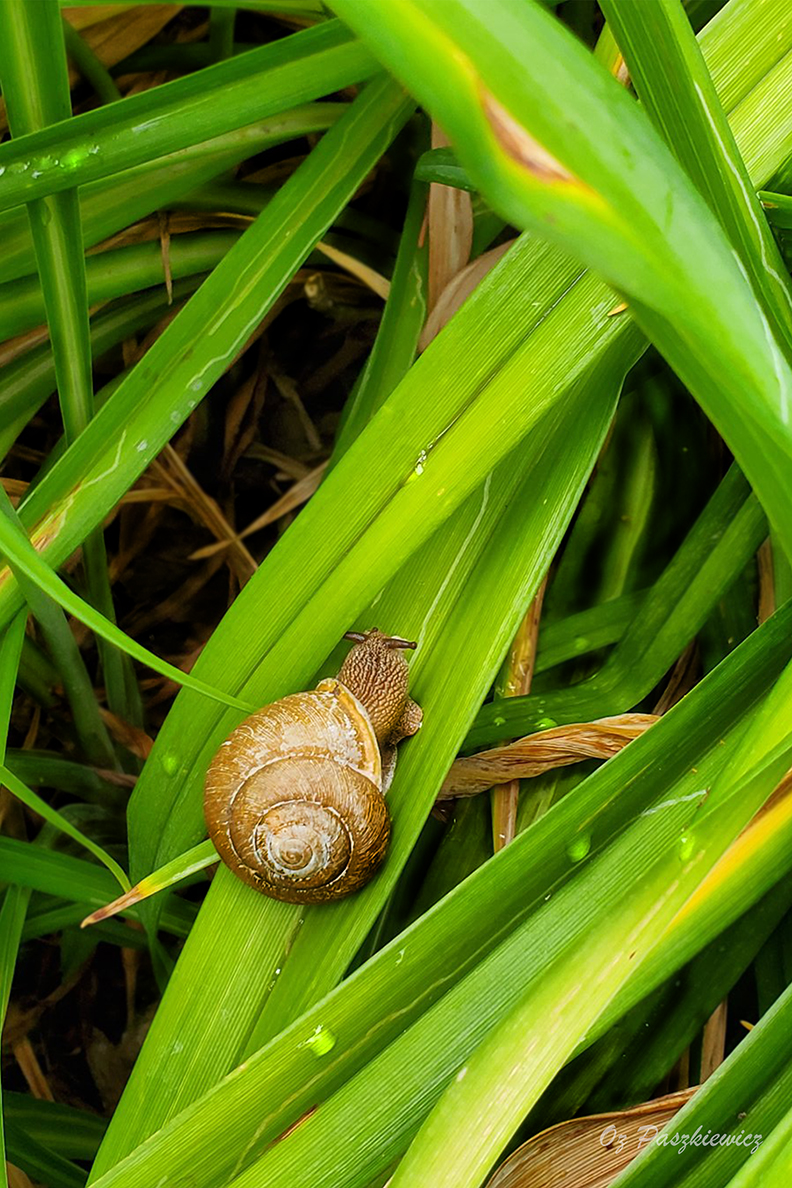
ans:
(587, 1152)
(450, 219)
(537, 753)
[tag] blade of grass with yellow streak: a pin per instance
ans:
(198, 858)
(462, 1136)
(506, 89)
(625, 896)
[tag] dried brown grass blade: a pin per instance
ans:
(297, 494)
(522, 658)
(450, 229)
(457, 291)
(16, 1177)
(118, 33)
(587, 1152)
(537, 753)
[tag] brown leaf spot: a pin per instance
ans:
(520, 145)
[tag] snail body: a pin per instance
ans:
(295, 796)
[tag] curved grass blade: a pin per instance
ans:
(40, 806)
(643, 227)
(198, 858)
(21, 555)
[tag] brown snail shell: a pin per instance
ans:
(294, 798)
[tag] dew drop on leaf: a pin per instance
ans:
(322, 1041)
(686, 846)
(579, 847)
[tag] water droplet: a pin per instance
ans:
(322, 1041)
(36, 173)
(2, 170)
(686, 846)
(170, 764)
(579, 847)
(72, 158)
(45, 163)
(549, 894)
(141, 446)
(546, 723)
(499, 721)
(400, 957)
(462, 1073)
(19, 167)
(581, 644)
(420, 464)
(93, 150)
(196, 385)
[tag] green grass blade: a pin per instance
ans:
(56, 819)
(113, 203)
(669, 72)
(372, 1008)
(141, 127)
(402, 320)
(757, 1074)
(88, 723)
(89, 66)
(116, 273)
(481, 1109)
(30, 380)
(78, 882)
(74, 1133)
(21, 555)
(36, 89)
(721, 542)
(646, 229)
(198, 345)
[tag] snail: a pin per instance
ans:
(294, 798)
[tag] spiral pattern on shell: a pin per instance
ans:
(293, 797)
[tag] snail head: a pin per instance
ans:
(377, 672)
